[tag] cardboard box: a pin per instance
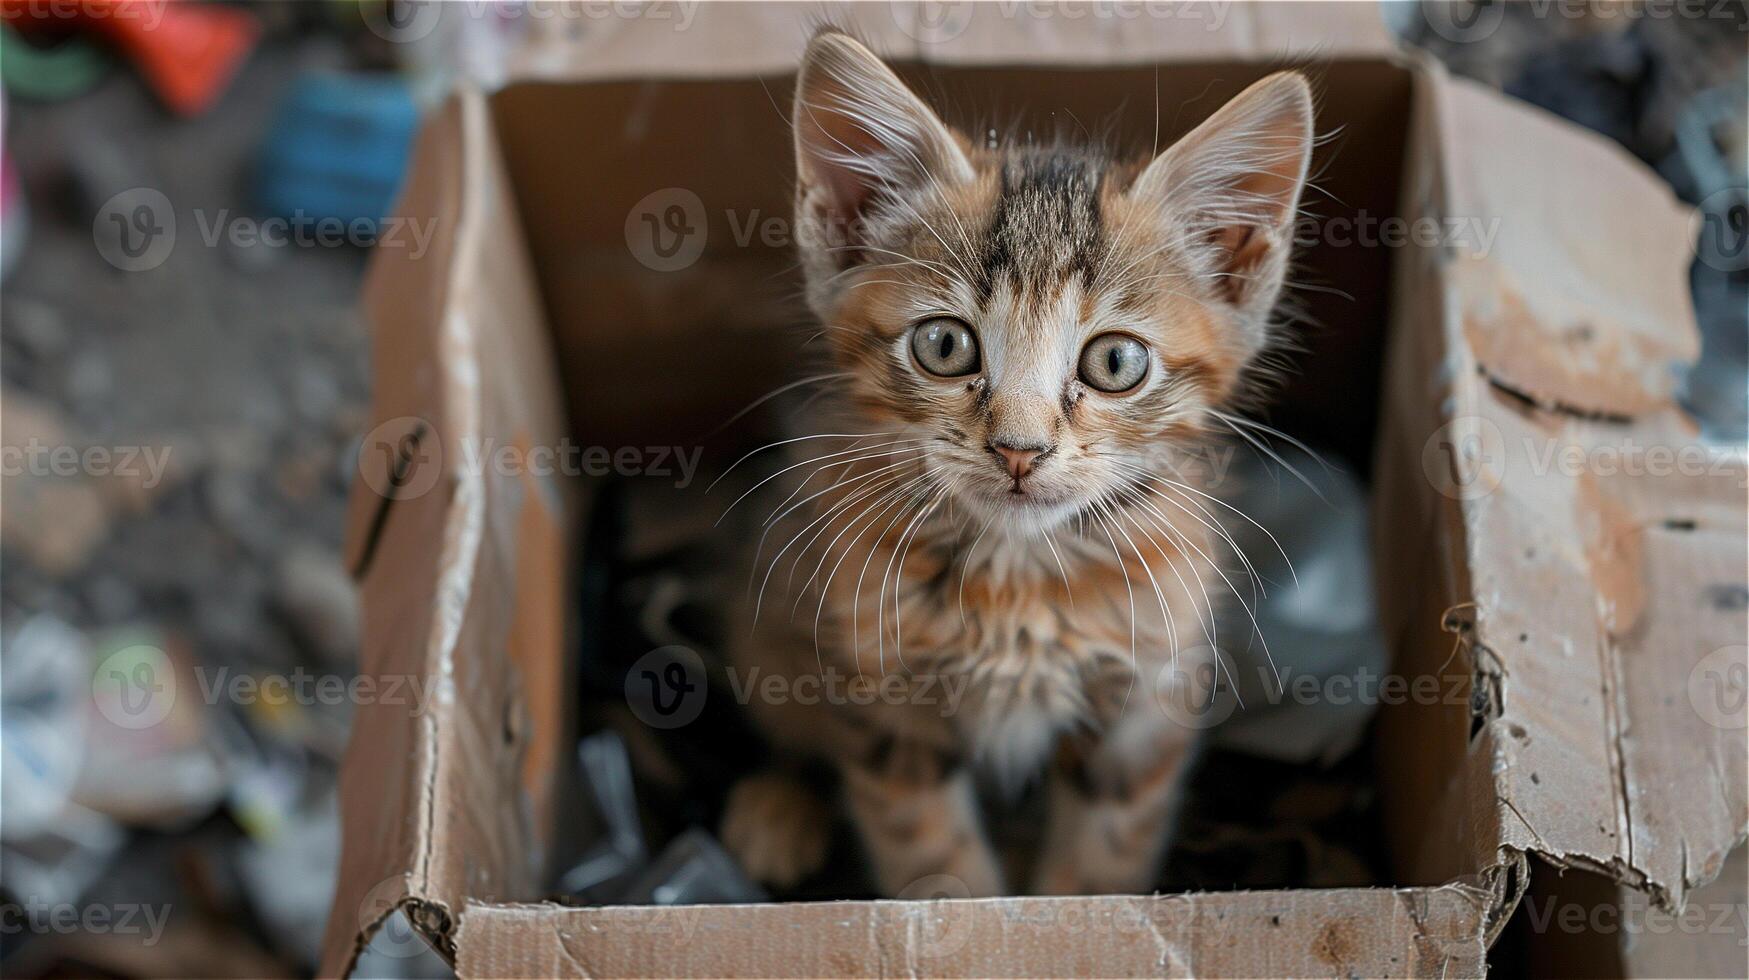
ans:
(1579, 611)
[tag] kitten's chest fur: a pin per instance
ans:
(1034, 640)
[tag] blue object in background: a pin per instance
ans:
(338, 148)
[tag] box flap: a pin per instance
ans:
(689, 40)
(1606, 546)
(1378, 932)
(436, 799)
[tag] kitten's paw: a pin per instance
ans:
(970, 872)
(1107, 875)
(1056, 878)
(1101, 848)
(777, 828)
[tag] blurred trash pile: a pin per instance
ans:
(1667, 81)
(179, 426)
(618, 870)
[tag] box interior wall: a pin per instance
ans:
(728, 142)
(728, 325)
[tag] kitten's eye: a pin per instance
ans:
(945, 347)
(1114, 362)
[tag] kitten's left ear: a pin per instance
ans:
(862, 137)
(1234, 183)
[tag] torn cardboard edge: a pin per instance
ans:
(1433, 931)
(1589, 348)
(423, 541)
(430, 921)
(430, 316)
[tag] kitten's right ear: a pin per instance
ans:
(862, 136)
(1234, 183)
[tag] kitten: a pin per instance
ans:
(992, 550)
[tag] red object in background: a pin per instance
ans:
(12, 213)
(187, 52)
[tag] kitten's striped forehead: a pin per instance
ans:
(1045, 224)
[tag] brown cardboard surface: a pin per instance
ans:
(1594, 587)
(740, 38)
(1568, 743)
(389, 763)
(429, 801)
(1419, 566)
(1425, 932)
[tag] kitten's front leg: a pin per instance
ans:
(1111, 802)
(916, 810)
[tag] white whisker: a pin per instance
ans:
(967, 567)
(1132, 596)
(805, 462)
(785, 442)
(773, 394)
(901, 549)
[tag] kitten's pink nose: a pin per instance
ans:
(1018, 457)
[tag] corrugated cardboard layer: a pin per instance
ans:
(1561, 332)
(432, 802)
(433, 808)
(1419, 563)
(727, 39)
(1602, 578)
(390, 764)
(1424, 932)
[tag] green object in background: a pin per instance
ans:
(69, 68)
